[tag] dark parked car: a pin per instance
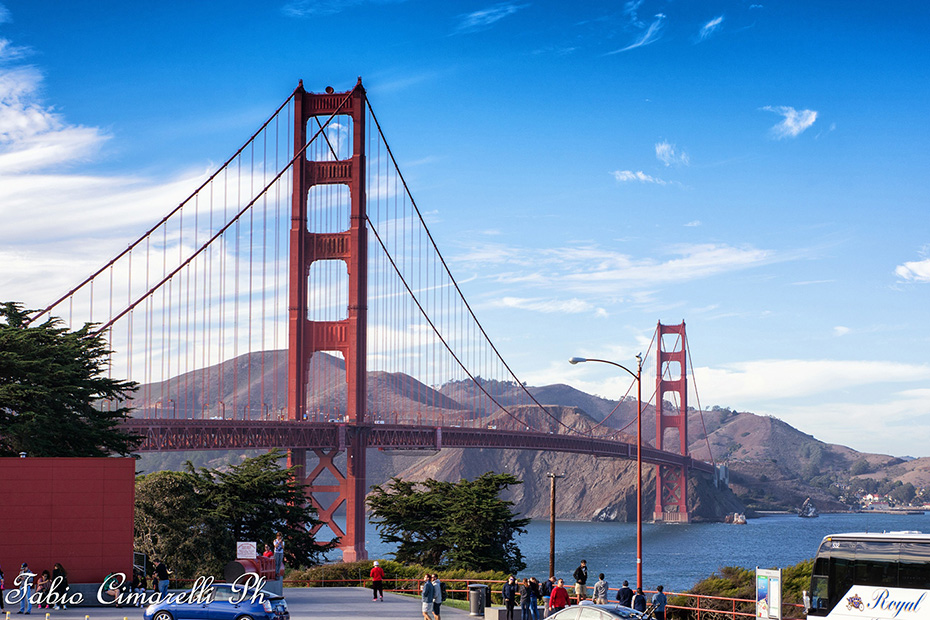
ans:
(598, 612)
(222, 604)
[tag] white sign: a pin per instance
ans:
(246, 550)
(768, 594)
(867, 602)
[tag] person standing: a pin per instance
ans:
(659, 600)
(625, 595)
(438, 595)
(534, 598)
(559, 597)
(377, 582)
(163, 575)
(279, 555)
(600, 590)
(546, 591)
(426, 596)
(24, 580)
(639, 600)
(581, 581)
(60, 584)
(1, 589)
(509, 594)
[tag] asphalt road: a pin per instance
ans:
(316, 603)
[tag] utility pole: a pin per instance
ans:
(552, 478)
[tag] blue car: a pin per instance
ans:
(221, 603)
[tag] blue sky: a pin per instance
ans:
(758, 169)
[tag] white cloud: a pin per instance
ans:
(693, 223)
(550, 306)
(485, 18)
(669, 154)
(794, 123)
(651, 34)
(624, 176)
(839, 330)
(710, 27)
(914, 271)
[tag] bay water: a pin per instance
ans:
(679, 555)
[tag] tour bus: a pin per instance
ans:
(869, 576)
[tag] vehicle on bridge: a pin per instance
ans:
(222, 602)
(866, 575)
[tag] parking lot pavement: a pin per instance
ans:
(316, 603)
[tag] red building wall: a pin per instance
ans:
(76, 511)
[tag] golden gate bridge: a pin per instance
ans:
(297, 300)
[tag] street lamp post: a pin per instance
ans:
(638, 375)
(552, 478)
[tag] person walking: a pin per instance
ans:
(377, 582)
(426, 597)
(625, 595)
(546, 591)
(639, 600)
(509, 594)
(581, 580)
(439, 595)
(24, 580)
(559, 598)
(659, 600)
(600, 590)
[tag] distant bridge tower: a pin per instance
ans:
(671, 376)
(348, 336)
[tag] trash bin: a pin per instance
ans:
(478, 595)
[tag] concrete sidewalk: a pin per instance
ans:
(303, 603)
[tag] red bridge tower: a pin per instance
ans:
(671, 376)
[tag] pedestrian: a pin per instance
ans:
(59, 585)
(426, 596)
(546, 591)
(659, 600)
(1, 589)
(534, 597)
(268, 552)
(581, 580)
(639, 600)
(509, 594)
(600, 590)
(525, 613)
(24, 581)
(377, 582)
(439, 595)
(162, 574)
(559, 597)
(279, 555)
(42, 586)
(625, 595)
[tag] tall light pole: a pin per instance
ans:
(638, 375)
(552, 478)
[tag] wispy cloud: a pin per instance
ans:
(841, 330)
(693, 223)
(485, 18)
(669, 154)
(710, 27)
(914, 271)
(651, 34)
(309, 8)
(625, 176)
(794, 123)
(550, 306)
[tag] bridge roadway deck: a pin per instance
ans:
(161, 435)
(321, 603)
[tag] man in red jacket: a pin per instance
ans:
(377, 576)
(559, 597)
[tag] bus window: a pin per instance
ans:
(820, 602)
(914, 568)
(876, 563)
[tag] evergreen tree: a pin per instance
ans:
(52, 385)
(451, 525)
